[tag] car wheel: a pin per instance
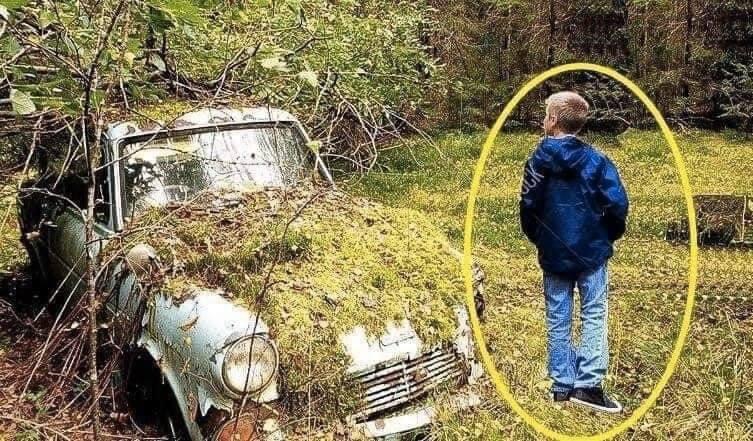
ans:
(38, 265)
(151, 400)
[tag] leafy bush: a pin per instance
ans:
(354, 71)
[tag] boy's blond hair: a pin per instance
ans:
(570, 109)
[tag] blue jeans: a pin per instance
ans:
(585, 364)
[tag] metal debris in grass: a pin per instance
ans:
(724, 220)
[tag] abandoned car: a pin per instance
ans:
(231, 369)
(723, 220)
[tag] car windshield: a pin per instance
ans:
(174, 169)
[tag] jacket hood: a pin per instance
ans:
(566, 155)
(575, 217)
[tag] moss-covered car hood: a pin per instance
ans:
(321, 267)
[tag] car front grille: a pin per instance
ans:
(397, 384)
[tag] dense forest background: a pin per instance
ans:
(359, 73)
(692, 57)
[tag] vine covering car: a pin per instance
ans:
(264, 295)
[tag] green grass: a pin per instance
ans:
(709, 397)
(12, 254)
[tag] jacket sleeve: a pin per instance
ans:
(531, 194)
(614, 201)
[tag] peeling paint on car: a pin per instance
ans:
(399, 342)
(408, 423)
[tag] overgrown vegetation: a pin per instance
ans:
(355, 72)
(11, 252)
(316, 263)
(709, 398)
(360, 73)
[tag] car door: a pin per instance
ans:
(66, 240)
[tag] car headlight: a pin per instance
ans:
(250, 364)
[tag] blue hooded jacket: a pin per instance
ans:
(573, 205)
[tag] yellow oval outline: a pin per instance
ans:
(499, 383)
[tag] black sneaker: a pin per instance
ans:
(595, 398)
(559, 397)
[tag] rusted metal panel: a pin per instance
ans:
(189, 344)
(393, 427)
(400, 372)
(390, 387)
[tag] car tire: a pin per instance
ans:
(38, 264)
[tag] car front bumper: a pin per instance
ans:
(407, 425)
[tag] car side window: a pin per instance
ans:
(102, 197)
(74, 187)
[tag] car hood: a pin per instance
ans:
(401, 342)
(342, 282)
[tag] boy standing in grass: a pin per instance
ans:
(573, 208)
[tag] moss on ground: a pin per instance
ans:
(339, 263)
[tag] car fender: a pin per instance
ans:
(183, 397)
(188, 337)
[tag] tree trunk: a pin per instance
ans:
(641, 59)
(91, 151)
(507, 44)
(552, 34)
(688, 47)
(93, 307)
(625, 37)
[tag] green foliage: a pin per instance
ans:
(491, 47)
(11, 252)
(733, 95)
(346, 68)
(55, 77)
(13, 4)
(28, 435)
(353, 71)
(21, 102)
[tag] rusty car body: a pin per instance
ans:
(200, 363)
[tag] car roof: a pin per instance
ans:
(203, 117)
